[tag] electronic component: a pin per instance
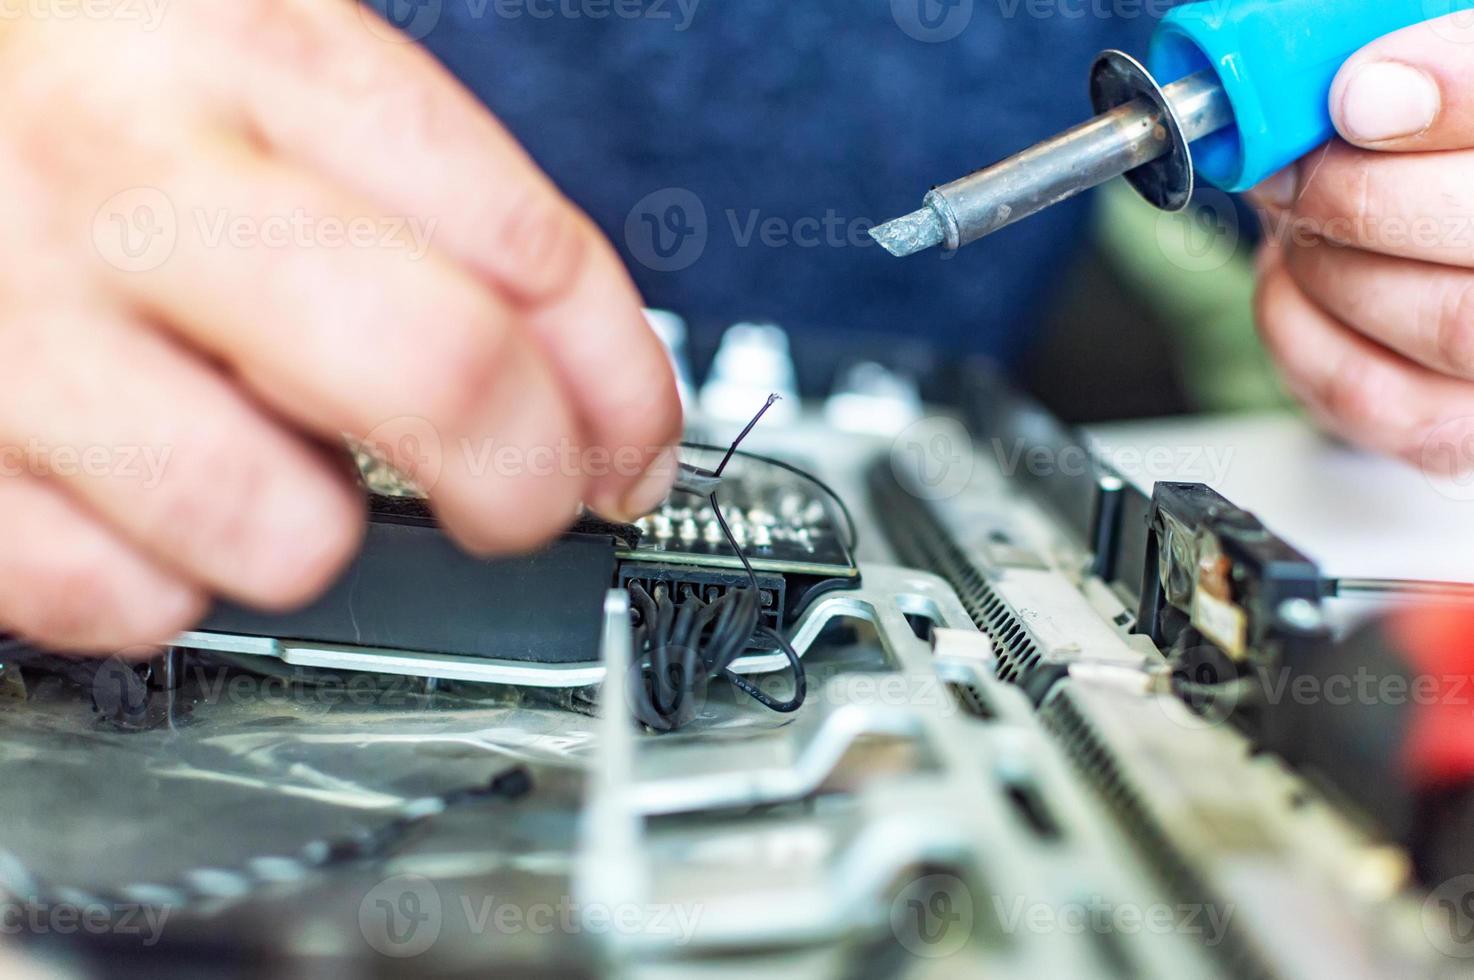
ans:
(411, 588)
(1013, 733)
(684, 582)
(1215, 567)
(693, 619)
(782, 522)
(711, 580)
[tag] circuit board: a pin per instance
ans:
(782, 520)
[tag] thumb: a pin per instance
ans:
(1412, 90)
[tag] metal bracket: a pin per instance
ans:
(874, 600)
(662, 812)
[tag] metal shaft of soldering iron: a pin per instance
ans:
(1056, 170)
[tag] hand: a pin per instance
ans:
(233, 236)
(1366, 296)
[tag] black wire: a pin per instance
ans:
(688, 678)
(724, 628)
(716, 509)
(647, 634)
(646, 604)
(800, 684)
(852, 531)
(645, 711)
(743, 434)
(665, 613)
(734, 619)
(509, 784)
(362, 844)
(800, 679)
(681, 633)
(745, 614)
(705, 618)
(668, 688)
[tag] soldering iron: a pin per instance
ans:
(1249, 95)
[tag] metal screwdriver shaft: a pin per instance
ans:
(1143, 132)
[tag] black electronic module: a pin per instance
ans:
(782, 521)
(788, 526)
(411, 589)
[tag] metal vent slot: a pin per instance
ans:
(1017, 652)
(1095, 761)
(1034, 810)
(920, 541)
(972, 701)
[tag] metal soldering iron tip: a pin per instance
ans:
(916, 232)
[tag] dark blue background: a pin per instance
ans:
(792, 109)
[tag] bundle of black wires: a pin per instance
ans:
(687, 645)
(684, 643)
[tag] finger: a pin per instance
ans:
(1359, 390)
(627, 394)
(1270, 257)
(1413, 205)
(1275, 194)
(1410, 91)
(390, 123)
(1424, 312)
(168, 454)
(68, 582)
(368, 335)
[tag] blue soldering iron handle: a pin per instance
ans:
(1277, 60)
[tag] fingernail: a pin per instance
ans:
(1279, 191)
(1387, 100)
(652, 488)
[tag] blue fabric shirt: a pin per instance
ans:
(735, 151)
